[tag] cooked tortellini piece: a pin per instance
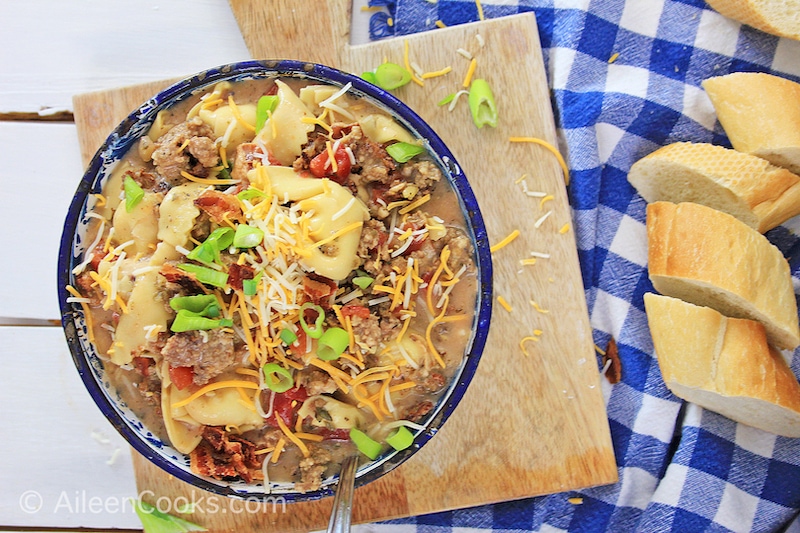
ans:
(285, 132)
(382, 129)
(333, 209)
(178, 213)
(139, 225)
(131, 332)
(224, 407)
(331, 414)
(182, 430)
(227, 127)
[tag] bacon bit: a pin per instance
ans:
(186, 280)
(238, 273)
(220, 206)
(221, 456)
(614, 370)
(319, 290)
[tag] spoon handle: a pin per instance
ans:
(343, 501)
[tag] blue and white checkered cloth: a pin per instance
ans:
(681, 468)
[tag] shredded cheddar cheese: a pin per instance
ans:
(436, 73)
(473, 64)
(549, 147)
(292, 437)
(505, 242)
(564, 228)
(502, 301)
(407, 64)
(480, 9)
(215, 386)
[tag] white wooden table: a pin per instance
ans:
(62, 465)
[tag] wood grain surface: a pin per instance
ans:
(528, 425)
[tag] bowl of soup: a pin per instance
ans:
(269, 266)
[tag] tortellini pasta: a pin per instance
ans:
(131, 332)
(338, 415)
(285, 132)
(183, 432)
(178, 212)
(333, 209)
(139, 225)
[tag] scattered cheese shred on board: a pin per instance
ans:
(541, 220)
(511, 236)
(522, 344)
(545, 199)
(564, 228)
(407, 64)
(480, 9)
(538, 308)
(550, 147)
(473, 64)
(436, 73)
(502, 301)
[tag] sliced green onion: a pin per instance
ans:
(206, 275)
(400, 439)
(316, 331)
(365, 444)
(390, 76)
(208, 251)
(201, 304)
(250, 193)
(220, 238)
(288, 336)
(155, 521)
(370, 77)
(402, 152)
(247, 236)
(250, 287)
(363, 281)
(481, 104)
(203, 253)
(133, 193)
(266, 105)
(332, 344)
(189, 321)
(446, 100)
(277, 378)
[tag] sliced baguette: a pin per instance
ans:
(777, 17)
(750, 188)
(761, 115)
(707, 257)
(724, 365)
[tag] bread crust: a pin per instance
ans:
(761, 115)
(748, 187)
(723, 364)
(760, 16)
(707, 257)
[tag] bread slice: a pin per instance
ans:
(761, 115)
(777, 17)
(759, 194)
(724, 365)
(707, 257)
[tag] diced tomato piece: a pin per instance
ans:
(282, 406)
(355, 310)
(181, 376)
(319, 165)
(299, 346)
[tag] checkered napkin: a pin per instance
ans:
(681, 468)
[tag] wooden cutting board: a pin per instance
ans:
(528, 425)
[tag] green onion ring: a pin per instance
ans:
(316, 331)
(277, 378)
(332, 344)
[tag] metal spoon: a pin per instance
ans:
(343, 501)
